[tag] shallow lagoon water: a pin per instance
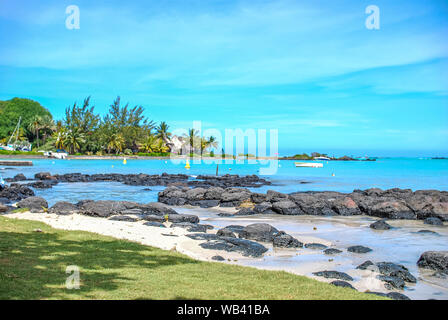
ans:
(401, 245)
(384, 173)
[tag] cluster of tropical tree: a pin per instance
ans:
(123, 130)
(28, 111)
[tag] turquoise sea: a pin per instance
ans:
(342, 176)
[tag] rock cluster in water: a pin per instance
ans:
(47, 180)
(386, 204)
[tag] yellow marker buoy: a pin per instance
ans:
(124, 160)
(332, 174)
(187, 165)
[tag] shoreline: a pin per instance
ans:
(176, 239)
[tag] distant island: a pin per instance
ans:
(325, 157)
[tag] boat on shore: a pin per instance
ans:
(308, 164)
(59, 154)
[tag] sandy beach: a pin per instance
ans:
(176, 239)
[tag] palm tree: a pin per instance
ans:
(162, 133)
(150, 144)
(35, 126)
(60, 135)
(116, 142)
(192, 136)
(47, 126)
(160, 146)
(212, 142)
(74, 139)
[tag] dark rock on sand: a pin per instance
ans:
(245, 247)
(154, 224)
(435, 260)
(155, 208)
(237, 229)
(380, 225)
(225, 232)
(315, 246)
(105, 208)
(259, 232)
(192, 227)
(63, 208)
(225, 214)
(35, 204)
(358, 249)
(395, 270)
(343, 284)
(433, 221)
(332, 251)
(263, 208)
(333, 275)
(218, 258)
(365, 265)
(123, 218)
(392, 295)
(392, 282)
(245, 212)
(205, 203)
(286, 207)
(174, 218)
(283, 240)
(397, 296)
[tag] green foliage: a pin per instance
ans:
(12, 110)
(303, 156)
(153, 154)
(124, 129)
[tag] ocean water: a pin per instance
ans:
(342, 176)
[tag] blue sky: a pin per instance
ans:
(310, 69)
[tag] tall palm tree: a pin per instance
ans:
(35, 126)
(162, 133)
(74, 139)
(192, 137)
(47, 126)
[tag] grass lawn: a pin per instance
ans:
(33, 265)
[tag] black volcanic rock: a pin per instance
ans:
(333, 275)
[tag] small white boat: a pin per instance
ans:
(308, 164)
(322, 158)
(56, 155)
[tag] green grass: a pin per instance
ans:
(28, 153)
(33, 265)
